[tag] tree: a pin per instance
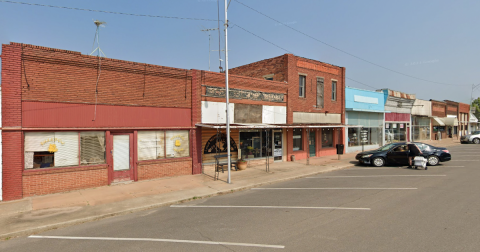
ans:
(476, 106)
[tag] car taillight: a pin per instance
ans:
(446, 151)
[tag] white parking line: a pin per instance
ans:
(377, 176)
(463, 160)
(339, 188)
(277, 207)
(466, 155)
(450, 166)
(159, 240)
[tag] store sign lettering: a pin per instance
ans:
(52, 148)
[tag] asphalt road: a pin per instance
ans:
(357, 209)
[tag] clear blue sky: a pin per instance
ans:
(435, 40)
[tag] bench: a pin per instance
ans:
(220, 165)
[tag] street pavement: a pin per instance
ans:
(332, 210)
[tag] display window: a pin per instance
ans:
(62, 149)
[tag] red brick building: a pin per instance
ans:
(73, 121)
(315, 102)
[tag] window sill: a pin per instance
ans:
(164, 160)
(39, 171)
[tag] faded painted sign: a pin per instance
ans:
(244, 94)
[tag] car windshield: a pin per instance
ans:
(476, 133)
(386, 147)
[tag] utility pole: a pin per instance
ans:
(226, 93)
(209, 44)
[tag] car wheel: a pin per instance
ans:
(378, 161)
(433, 160)
(476, 141)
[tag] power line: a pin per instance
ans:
(236, 25)
(102, 11)
(338, 49)
(360, 82)
(261, 38)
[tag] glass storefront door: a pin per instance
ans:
(311, 143)
(277, 145)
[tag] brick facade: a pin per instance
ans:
(164, 168)
(46, 89)
(287, 68)
(49, 181)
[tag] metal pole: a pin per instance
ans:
(226, 91)
(308, 150)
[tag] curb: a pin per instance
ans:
(43, 228)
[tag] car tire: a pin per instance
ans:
(476, 141)
(433, 160)
(378, 161)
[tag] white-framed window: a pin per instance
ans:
(334, 90)
(301, 85)
(63, 149)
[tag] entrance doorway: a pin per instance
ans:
(277, 146)
(122, 156)
(311, 143)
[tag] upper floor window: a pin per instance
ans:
(334, 90)
(301, 85)
(268, 76)
(320, 85)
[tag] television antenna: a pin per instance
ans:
(97, 38)
(209, 38)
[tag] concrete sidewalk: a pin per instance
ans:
(40, 213)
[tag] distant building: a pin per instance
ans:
(364, 117)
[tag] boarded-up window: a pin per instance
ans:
(92, 147)
(151, 145)
(320, 86)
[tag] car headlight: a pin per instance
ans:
(367, 156)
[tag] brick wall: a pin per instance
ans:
(11, 121)
(463, 108)
(65, 76)
(287, 69)
(49, 181)
(439, 108)
(164, 168)
(276, 66)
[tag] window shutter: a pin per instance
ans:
(92, 147)
(146, 145)
(177, 143)
(67, 153)
(34, 140)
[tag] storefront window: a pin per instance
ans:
(327, 137)
(297, 139)
(353, 136)
(250, 143)
(150, 145)
(396, 132)
(61, 149)
(177, 144)
(421, 128)
(92, 147)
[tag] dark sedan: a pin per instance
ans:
(397, 153)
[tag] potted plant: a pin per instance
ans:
(250, 152)
(242, 164)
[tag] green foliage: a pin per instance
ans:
(476, 105)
